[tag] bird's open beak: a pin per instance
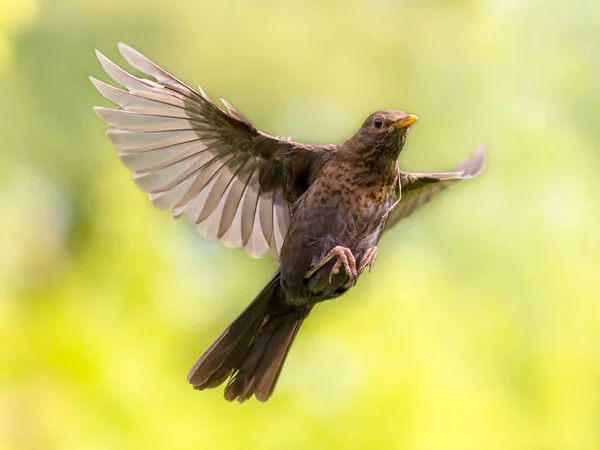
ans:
(406, 122)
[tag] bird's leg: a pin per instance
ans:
(344, 256)
(368, 259)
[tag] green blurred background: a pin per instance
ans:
(479, 327)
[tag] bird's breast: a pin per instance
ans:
(340, 208)
(345, 206)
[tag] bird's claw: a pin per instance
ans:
(345, 257)
(368, 259)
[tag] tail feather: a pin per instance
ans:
(259, 371)
(219, 360)
(252, 350)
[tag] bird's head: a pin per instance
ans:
(384, 133)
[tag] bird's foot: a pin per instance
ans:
(368, 259)
(344, 256)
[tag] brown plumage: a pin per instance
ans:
(319, 209)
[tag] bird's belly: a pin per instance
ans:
(316, 228)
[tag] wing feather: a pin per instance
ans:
(163, 157)
(419, 188)
(197, 159)
(231, 202)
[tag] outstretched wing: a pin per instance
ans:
(419, 188)
(232, 181)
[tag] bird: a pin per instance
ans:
(319, 210)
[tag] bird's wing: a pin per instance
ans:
(419, 188)
(232, 181)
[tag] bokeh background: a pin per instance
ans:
(479, 327)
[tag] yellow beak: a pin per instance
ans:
(406, 122)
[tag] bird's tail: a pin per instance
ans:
(252, 350)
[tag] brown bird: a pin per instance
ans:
(319, 209)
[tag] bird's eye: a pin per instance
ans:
(378, 123)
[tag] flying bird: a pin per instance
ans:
(319, 210)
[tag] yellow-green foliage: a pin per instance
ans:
(479, 327)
